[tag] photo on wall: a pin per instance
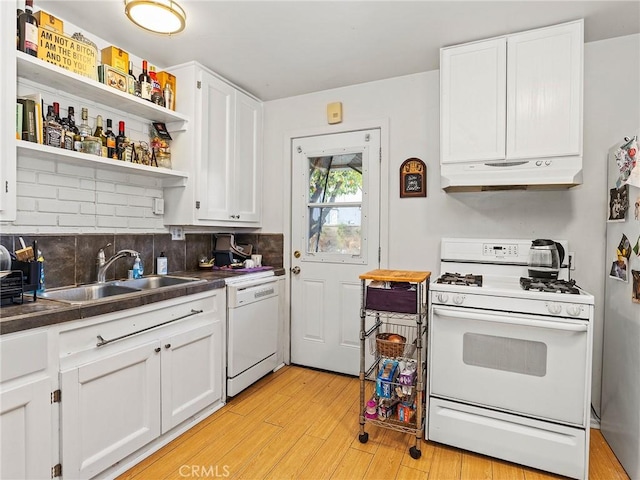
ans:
(619, 269)
(618, 203)
(635, 293)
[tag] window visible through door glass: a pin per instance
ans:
(335, 204)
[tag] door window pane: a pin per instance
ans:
(334, 204)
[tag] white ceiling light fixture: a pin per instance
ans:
(158, 16)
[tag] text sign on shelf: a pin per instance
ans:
(68, 53)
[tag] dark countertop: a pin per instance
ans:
(43, 312)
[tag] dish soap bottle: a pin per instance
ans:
(138, 269)
(161, 264)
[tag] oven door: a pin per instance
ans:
(525, 364)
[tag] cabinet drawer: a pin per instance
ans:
(137, 324)
(22, 354)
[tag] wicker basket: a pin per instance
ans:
(387, 348)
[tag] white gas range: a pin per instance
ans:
(509, 358)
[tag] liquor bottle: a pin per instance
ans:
(145, 82)
(70, 130)
(52, 129)
(84, 128)
(111, 141)
(19, 12)
(131, 82)
(99, 133)
(156, 89)
(28, 26)
(121, 141)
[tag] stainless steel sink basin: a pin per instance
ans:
(150, 283)
(98, 291)
(87, 293)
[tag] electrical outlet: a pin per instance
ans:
(572, 260)
(177, 233)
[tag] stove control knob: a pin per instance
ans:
(443, 297)
(458, 299)
(574, 310)
(554, 308)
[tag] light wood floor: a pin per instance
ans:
(299, 423)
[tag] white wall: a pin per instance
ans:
(411, 105)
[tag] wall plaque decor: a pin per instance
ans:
(413, 178)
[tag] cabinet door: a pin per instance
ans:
(8, 114)
(215, 109)
(248, 160)
(25, 431)
(472, 102)
(192, 369)
(544, 85)
(110, 408)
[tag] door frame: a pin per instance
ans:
(383, 125)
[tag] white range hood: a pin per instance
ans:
(526, 174)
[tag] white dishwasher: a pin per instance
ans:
(252, 330)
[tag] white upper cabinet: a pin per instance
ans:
(473, 101)
(224, 151)
(513, 97)
(544, 92)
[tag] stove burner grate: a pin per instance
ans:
(468, 280)
(549, 285)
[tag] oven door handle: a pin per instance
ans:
(484, 317)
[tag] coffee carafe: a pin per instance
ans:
(545, 258)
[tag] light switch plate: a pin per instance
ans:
(158, 206)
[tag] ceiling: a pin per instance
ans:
(287, 48)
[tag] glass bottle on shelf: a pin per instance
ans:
(121, 141)
(52, 129)
(145, 82)
(28, 30)
(132, 88)
(70, 129)
(84, 129)
(156, 90)
(19, 12)
(99, 133)
(111, 141)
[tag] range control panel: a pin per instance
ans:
(502, 250)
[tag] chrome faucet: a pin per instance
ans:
(103, 264)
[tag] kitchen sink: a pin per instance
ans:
(87, 293)
(90, 293)
(150, 283)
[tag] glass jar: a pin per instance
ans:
(163, 159)
(91, 145)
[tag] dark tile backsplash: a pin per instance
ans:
(71, 259)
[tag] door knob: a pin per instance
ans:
(296, 254)
(295, 270)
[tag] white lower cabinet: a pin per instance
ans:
(120, 398)
(111, 408)
(25, 431)
(191, 373)
(25, 406)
